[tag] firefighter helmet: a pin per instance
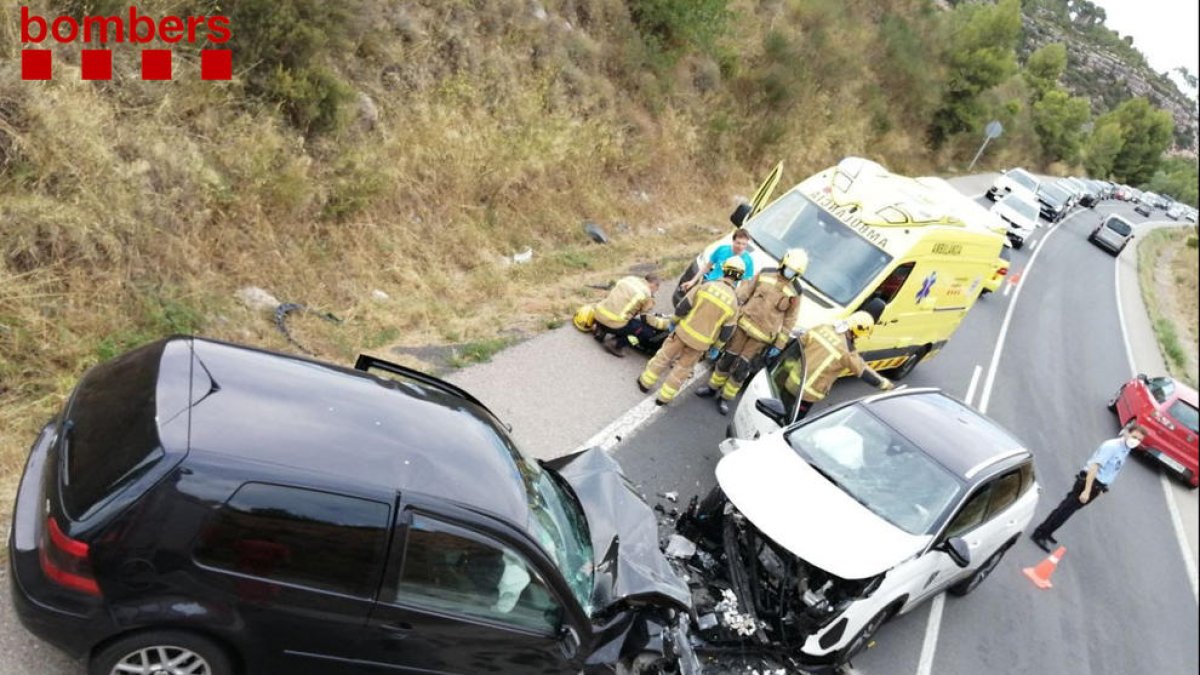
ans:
(733, 267)
(861, 323)
(795, 260)
(585, 318)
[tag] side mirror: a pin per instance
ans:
(958, 551)
(568, 642)
(740, 214)
(773, 409)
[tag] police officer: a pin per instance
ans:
(617, 314)
(709, 314)
(828, 350)
(769, 307)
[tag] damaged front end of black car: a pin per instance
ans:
(641, 607)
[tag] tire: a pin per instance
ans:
(678, 294)
(146, 650)
(1112, 402)
(905, 369)
(863, 638)
(972, 582)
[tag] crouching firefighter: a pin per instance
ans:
(829, 350)
(769, 307)
(706, 317)
(623, 312)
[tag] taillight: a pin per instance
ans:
(65, 560)
(1002, 271)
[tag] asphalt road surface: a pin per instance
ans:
(1123, 599)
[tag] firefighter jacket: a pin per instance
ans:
(769, 307)
(707, 315)
(827, 353)
(628, 298)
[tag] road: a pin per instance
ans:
(1062, 356)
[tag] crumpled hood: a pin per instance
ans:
(798, 508)
(624, 533)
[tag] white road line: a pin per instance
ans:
(971, 387)
(624, 426)
(1008, 285)
(1033, 245)
(991, 376)
(932, 628)
(1172, 507)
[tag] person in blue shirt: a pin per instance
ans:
(1093, 480)
(712, 269)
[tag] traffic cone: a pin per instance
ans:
(1040, 575)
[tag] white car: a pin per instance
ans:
(831, 526)
(1020, 214)
(1015, 181)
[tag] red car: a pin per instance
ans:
(1167, 408)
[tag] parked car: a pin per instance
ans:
(831, 526)
(1167, 408)
(1113, 233)
(1190, 215)
(1014, 180)
(202, 507)
(1052, 202)
(1143, 208)
(1176, 211)
(1020, 215)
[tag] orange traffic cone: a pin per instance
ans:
(1040, 575)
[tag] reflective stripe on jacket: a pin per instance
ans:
(628, 298)
(769, 312)
(827, 353)
(709, 314)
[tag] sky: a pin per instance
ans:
(1165, 31)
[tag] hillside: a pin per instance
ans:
(382, 162)
(1104, 66)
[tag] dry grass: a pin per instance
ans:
(1168, 270)
(132, 210)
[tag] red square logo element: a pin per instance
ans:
(156, 64)
(216, 64)
(96, 64)
(35, 64)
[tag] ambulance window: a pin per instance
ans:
(890, 286)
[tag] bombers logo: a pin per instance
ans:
(132, 27)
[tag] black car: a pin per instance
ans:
(1052, 202)
(208, 508)
(1143, 208)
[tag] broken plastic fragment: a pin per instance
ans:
(669, 496)
(679, 546)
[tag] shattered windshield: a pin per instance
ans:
(558, 522)
(841, 262)
(878, 467)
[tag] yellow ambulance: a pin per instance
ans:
(916, 243)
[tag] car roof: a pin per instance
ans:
(960, 438)
(348, 427)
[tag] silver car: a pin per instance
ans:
(1113, 233)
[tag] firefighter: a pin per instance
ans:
(769, 307)
(828, 350)
(617, 315)
(705, 317)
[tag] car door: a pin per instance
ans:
(934, 570)
(464, 601)
(1180, 431)
(300, 567)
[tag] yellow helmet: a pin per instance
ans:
(733, 267)
(861, 323)
(795, 260)
(585, 318)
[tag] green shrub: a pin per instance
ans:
(1192, 241)
(676, 27)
